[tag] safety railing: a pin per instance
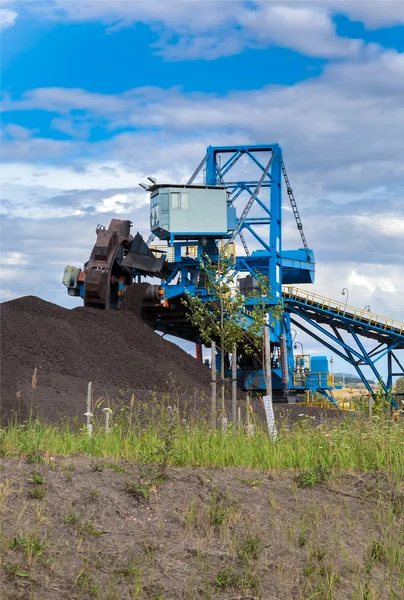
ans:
(229, 250)
(346, 405)
(191, 251)
(340, 308)
(312, 379)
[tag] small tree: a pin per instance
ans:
(224, 318)
(381, 401)
(399, 387)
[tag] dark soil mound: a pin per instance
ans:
(114, 349)
(292, 414)
(133, 298)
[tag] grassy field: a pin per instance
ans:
(167, 510)
(354, 444)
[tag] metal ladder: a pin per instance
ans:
(295, 209)
(242, 238)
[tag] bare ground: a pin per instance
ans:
(81, 528)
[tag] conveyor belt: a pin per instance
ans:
(332, 312)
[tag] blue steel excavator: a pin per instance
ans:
(239, 200)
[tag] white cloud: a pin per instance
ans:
(374, 14)
(384, 223)
(40, 202)
(13, 258)
(117, 204)
(339, 128)
(191, 29)
(61, 177)
(7, 18)
(307, 29)
(6, 294)
(7, 274)
(373, 282)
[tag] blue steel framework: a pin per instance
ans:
(292, 267)
(341, 333)
(324, 323)
(320, 323)
(271, 177)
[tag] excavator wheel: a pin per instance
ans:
(105, 278)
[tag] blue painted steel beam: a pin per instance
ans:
(368, 360)
(230, 163)
(356, 365)
(325, 343)
(347, 356)
(398, 363)
(253, 183)
(257, 162)
(257, 237)
(258, 220)
(257, 200)
(382, 353)
(327, 333)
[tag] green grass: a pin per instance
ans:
(38, 492)
(353, 445)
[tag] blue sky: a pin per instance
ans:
(98, 95)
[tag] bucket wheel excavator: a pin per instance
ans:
(109, 270)
(195, 220)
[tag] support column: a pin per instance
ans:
(275, 233)
(389, 371)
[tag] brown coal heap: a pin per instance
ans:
(115, 350)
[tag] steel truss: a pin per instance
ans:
(270, 176)
(328, 329)
(352, 349)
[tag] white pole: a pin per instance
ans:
(250, 426)
(89, 414)
(267, 362)
(234, 387)
(269, 412)
(107, 412)
(213, 383)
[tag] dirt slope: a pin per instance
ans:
(69, 348)
(203, 534)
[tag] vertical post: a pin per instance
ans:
(370, 403)
(89, 407)
(213, 383)
(234, 387)
(107, 412)
(250, 425)
(198, 351)
(239, 414)
(211, 167)
(269, 412)
(275, 229)
(267, 362)
(389, 382)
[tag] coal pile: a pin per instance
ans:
(115, 350)
(133, 298)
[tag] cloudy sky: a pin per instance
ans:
(97, 95)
